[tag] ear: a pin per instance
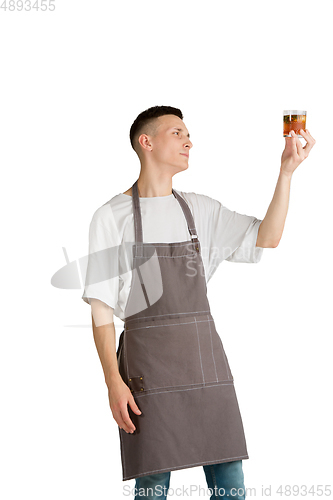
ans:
(144, 141)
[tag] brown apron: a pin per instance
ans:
(172, 358)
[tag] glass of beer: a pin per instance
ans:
(293, 120)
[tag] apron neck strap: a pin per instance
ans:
(138, 218)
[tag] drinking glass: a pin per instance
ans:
(293, 120)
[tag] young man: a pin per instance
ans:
(170, 386)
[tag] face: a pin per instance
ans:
(171, 146)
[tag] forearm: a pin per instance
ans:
(271, 228)
(105, 341)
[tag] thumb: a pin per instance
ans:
(134, 407)
(293, 142)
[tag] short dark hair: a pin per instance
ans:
(146, 122)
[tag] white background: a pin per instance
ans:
(72, 83)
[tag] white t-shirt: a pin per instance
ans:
(223, 235)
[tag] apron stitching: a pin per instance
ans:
(203, 377)
(122, 447)
(172, 256)
(169, 314)
(230, 459)
(225, 359)
(125, 353)
(168, 386)
(164, 326)
(143, 287)
(202, 384)
(177, 244)
(135, 230)
(211, 343)
(205, 386)
(132, 284)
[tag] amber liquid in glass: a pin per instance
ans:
(293, 122)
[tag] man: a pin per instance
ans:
(169, 383)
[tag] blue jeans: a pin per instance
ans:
(225, 480)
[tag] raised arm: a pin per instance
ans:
(271, 227)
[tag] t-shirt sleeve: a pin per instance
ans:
(102, 270)
(248, 251)
(233, 236)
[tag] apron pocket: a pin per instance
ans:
(168, 355)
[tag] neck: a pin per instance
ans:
(154, 185)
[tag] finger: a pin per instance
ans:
(299, 147)
(310, 141)
(126, 421)
(307, 131)
(289, 144)
(293, 143)
(134, 406)
(117, 415)
(307, 136)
